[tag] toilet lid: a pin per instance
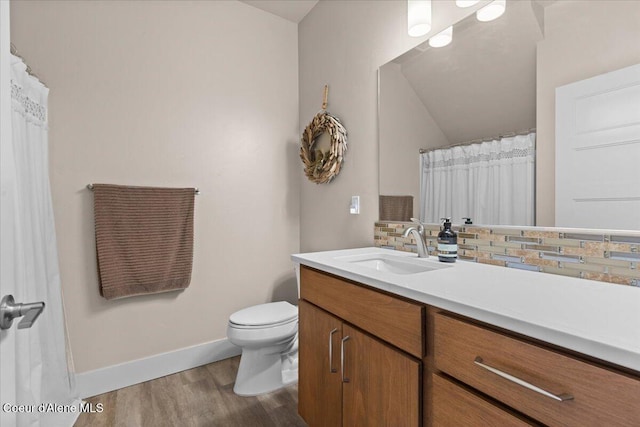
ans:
(265, 314)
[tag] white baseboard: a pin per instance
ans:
(114, 377)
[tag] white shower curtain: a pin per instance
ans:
(491, 182)
(42, 374)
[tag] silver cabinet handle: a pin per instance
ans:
(561, 397)
(344, 340)
(331, 369)
(9, 310)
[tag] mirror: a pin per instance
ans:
(497, 78)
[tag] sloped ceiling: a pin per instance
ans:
(484, 83)
(292, 10)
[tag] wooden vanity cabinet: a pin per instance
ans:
(370, 358)
(349, 372)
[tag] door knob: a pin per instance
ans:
(9, 310)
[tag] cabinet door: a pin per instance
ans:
(319, 385)
(381, 384)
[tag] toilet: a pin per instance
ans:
(268, 336)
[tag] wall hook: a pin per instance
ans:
(325, 97)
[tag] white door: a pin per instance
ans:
(7, 337)
(598, 151)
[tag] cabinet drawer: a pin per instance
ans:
(601, 396)
(454, 406)
(394, 320)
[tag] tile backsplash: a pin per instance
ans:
(606, 256)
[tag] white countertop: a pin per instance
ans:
(598, 319)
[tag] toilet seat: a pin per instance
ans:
(252, 327)
(264, 316)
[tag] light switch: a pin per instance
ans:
(355, 205)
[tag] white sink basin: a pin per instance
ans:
(394, 264)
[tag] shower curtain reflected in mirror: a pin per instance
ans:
(491, 182)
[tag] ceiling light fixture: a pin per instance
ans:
(442, 39)
(418, 17)
(466, 3)
(493, 10)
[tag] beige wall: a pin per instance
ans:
(342, 43)
(582, 39)
(170, 94)
(405, 126)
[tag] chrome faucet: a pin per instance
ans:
(418, 234)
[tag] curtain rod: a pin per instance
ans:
(14, 52)
(197, 190)
(476, 141)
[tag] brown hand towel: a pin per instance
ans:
(395, 208)
(144, 239)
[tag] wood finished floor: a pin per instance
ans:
(201, 396)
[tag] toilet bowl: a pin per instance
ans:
(268, 336)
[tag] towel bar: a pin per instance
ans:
(90, 187)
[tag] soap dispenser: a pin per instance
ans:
(447, 243)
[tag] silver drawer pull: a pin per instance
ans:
(344, 340)
(561, 398)
(331, 369)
